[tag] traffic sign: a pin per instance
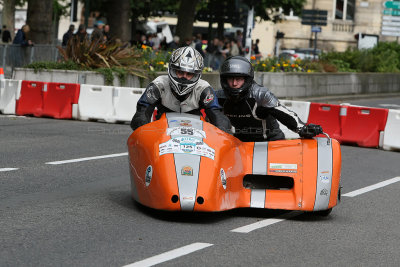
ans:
(392, 4)
(314, 17)
(315, 29)
(391, 12)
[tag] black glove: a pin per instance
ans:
(310, 130)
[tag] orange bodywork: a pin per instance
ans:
(173, 169)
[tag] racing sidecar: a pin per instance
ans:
(183, 163)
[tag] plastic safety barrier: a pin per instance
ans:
(32, 98)
(328, 116)
(59, 100)
(9, 93)
(124, 101)
(391, 135)
(302, 109)
(362, 125)
(96, 103)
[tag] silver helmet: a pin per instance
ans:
(184, 59)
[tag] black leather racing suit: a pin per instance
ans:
(159, 94)
(255, 116)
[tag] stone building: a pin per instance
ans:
(346, 18)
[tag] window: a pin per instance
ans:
(344, 9)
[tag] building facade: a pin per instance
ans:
(346, 18)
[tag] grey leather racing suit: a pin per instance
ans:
(159, 94)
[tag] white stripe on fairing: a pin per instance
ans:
(323, 190)
(260, 158)
(89, 158)
(257, 198)
(8, 169)
(169, 255)
(254, 226)
(372, 187)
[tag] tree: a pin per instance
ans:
(8, 17)
(186, 13)
(118, 18)
(40, 20)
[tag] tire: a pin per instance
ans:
(323, 213)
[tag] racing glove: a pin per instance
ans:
(310, 130)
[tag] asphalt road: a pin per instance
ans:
(81, 214)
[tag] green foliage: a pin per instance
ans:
(275, 65)
(110, 55)
(385, 57)
(65, 65)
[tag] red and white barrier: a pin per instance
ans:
(31, 99)
(328, 116)
(124, 101)
(96, 103)
(9, 93)
(391, 135)
(302, 109)
(59, 100)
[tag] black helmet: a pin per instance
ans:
(184, 59)
(233, 67)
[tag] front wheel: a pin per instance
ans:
(323, 213)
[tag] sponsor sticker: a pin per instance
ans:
(209, 97)
(324, 192)
(324, 179)
(148, 175)
(186, 145)
(187, 171)
(283, 168)
(223, 178)
(186, 131)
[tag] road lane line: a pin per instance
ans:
(7, 169)
(372, 187)
(169, 255)
(254, 226)
(89, 158)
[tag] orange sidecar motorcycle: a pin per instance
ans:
(182, 163)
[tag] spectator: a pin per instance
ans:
(21, 38)
(199, 45)
(214, 54)
(234, 50)
(81, 33)
(6, 36)
(256, 48)
(68, 35)
(106, 33)
(97, 34)
(175, 43)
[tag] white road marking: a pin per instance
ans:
(372, 187)
(89, 158)
(254, 226)
(390, 105)
(169, 255)
(7, 169)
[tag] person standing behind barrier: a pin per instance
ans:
(252, 109)
(81, 34)
(6, 35)
(20, 37)
(68, 35)
(214, 54)
(97, 34)
(181, 90)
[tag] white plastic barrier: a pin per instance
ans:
(10, 91)
(96, 102)
(391, 136)
(125, 100)
(301, 108)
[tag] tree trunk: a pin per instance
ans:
(186, 13)
(8, 16)
(40, 21)
(118, 16)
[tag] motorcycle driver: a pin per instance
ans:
(252, 109)
(181, 90)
